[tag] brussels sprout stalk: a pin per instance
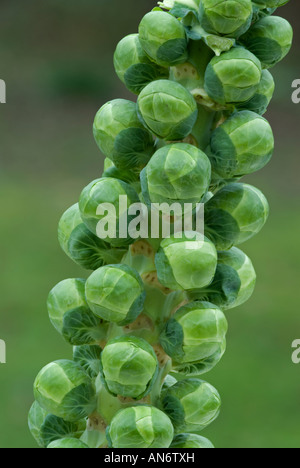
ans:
(151, 316)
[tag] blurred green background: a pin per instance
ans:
(56, 59)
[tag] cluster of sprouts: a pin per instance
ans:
(151, 318)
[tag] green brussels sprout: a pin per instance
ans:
(260, 11)
(191, 404)
(234, 282)
(233, 77)
(243, 144)
(195, 332)
(186, 264)
(263, 95)
(168, 110)
(99, 193)
(121, 136)
(36, 418)
(88, 357)
(133, 66)
(270, 39)
(227, 18)
(71, 316)
(178, 173)
(140, 427)
(186, 370)
(116, 294)
(67, 443)
(271, 3)
(191, 441)
(235, 214)
(81, 245)
(128, 176)
(129, 367)
(163, 38)
(65, 390)
(47, 428)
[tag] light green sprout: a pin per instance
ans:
(81, 245)
(270, 39)
(191, 404)
(178, 173)
(233, 77)
(134, 67)
(243, 144)
(129, 367)
(262, 98)
(121, 136)
(191, 441)
(68, 443)
(140, 427)
(228, 18)
(168, 110)
(234, 282)
(107, 191)
(186, 263)
(163, 38)
(47, 428)
(63, 388)
(115, 293)
(194, 333)
(235, 214)
(70, 314)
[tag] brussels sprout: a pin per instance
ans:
(227, 18)
(260, 11)
(88, 357)
(270, 39)
(185, 370)
(47, 428)
(65, 390)
(116, 293)
(71, 316)
(191, 404)
(191, 441)
(194, 333)
(133, 66)
(168, 110)
(271, 3)
(81, 245)
(99, 193)
(178, 173)
(263, 95)
(129, 176)
(233, 77)
(129, 367)
(163, 38)
(243, 144)
(120, 135)
(36, 418)
(140, 427)
(186, 264)
(234, 282)
(235, 214)
(67, 443)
